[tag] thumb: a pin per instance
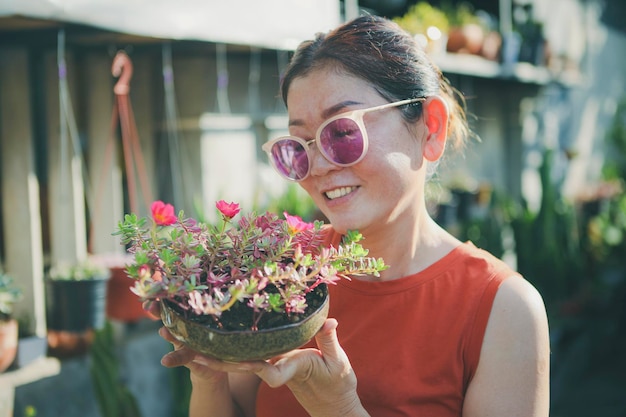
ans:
(327, 341)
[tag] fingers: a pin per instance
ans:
(302, 364)
(285, 368)
(179, 357)
(152, 307)
(328, 342)
(181, 354)
(184, 356)
(165, 334)
(299, 365)
(239, 367)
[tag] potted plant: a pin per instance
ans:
(428, 24)
(239, 291)
(122, 304)
(9, 295)
(77, 296)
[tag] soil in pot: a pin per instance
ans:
(232, 338)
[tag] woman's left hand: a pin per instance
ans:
(322, 380)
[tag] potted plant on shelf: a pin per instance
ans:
(76, 304)
(239, 291)
(9, 295)
(122, 304)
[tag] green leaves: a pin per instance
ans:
(261, 262)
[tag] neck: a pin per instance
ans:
(408, 246)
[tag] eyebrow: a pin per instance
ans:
(331, 111)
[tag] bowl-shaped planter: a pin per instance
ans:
(246, 345)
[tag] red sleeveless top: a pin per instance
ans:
(414, 342)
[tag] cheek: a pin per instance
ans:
(394, 153)
(395, 166)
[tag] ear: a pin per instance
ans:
(435, 116)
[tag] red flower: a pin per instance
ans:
(229, 210)
(163, 214)
(296, 224)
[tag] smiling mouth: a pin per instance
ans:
(339, 192)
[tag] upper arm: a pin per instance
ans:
(512, 378)
(243, 388)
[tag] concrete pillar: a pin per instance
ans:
(21, 216)
(224, 176)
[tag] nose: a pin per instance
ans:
(319, 164)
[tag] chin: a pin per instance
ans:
(343, 225)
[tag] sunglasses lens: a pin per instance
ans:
(290, 159)
(342, 141)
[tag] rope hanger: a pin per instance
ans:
(123, 68)
(67, 127)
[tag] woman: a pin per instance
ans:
(447, 330)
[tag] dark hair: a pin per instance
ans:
(380, 52)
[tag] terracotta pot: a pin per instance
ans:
(8, 343)
(122, 304)
(64, 344)
(466, 39)
(244, 345)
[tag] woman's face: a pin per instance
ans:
(387, 183)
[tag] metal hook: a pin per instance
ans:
(123, 68)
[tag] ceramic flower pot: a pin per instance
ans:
(8, 343)
(76, 306)
(244, 345)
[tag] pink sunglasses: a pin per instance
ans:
(342, 140)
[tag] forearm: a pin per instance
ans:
(347, 406)
(211, 400)
(356, 411)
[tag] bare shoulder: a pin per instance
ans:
(512, 378)
(517, 297)
(518, 326)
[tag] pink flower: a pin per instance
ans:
(163, 214)
(296, 224)
(229, 210)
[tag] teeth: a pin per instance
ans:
(339, 192)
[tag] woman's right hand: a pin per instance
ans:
(220, 388)
(199, 365)
(182, 355)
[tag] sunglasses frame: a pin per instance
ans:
(355, 115)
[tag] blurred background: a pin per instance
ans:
(106, 106)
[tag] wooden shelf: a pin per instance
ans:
(477, 66)
(34, 371)
(38, 369)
